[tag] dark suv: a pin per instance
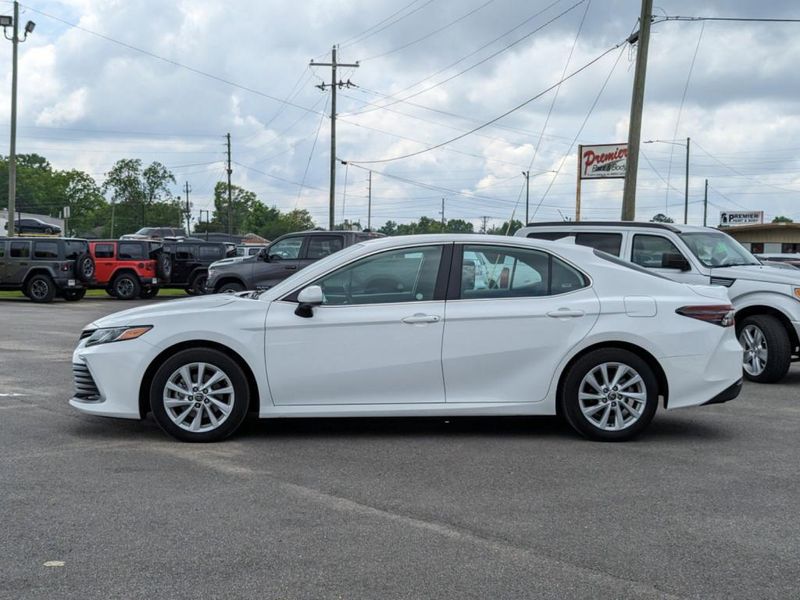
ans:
(45, 267)
(283, 257)
(190, 261)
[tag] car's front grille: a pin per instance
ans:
(85, 387)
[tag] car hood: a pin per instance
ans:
(763, 273)
(144, 314)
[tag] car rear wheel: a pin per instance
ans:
(767, 348)
(610, 395)
(232, 287)
(74, 295)
(126, 287)
(40, 288)
(199, 395)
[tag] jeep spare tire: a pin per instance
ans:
(164, 266)
(84, 268)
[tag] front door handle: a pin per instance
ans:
(420, 318)
(565, 312)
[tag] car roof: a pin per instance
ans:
(674, 227)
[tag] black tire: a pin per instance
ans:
(148, 293)
(164, 266)
(110, 291)
(126, 286)
(231, 286)
(74, 295)
(189, 291)
(40, 289)
(48, 230)
(84, 268)
(778, 347)
(198, 285)
(239, 400)
(610, 407)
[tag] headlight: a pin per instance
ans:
(106, 335)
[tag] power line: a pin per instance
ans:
(311, 154)
(356, 38)
(431, 34)
(739, 19)
(505, 114)
(480, 62)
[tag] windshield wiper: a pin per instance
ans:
(736, 265)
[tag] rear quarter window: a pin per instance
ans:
(130, 251)
(45, 250)
(210, 252)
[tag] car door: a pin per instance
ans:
(19, 261)
(103, 261)
(284, 260)
(2, 262)
(512, 315)
(658, 253)
(376, 339)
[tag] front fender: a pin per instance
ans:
(783, 303)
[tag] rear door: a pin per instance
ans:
(320, 246)
(18, 262)
(512, 314)
(104, 262)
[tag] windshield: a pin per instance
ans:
(145, 231)
(717, 249)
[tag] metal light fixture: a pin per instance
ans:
(29, 27)
(6, 21)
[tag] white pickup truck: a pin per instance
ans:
(766, 299)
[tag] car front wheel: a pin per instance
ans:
(199, 395)
(767, 348)
(610, 395)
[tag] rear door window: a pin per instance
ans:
(45, 250)
(104, 251)
(20, 250)
(128, 251)
(185, 251)
(610, 243)
(321, 246)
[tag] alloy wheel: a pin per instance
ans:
(40, 289)
(198, 397)
(124, 288)
(612, 396)
(754, 344)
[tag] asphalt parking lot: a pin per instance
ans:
(703, 506)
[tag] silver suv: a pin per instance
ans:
(766, 299)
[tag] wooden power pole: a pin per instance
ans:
(637, 104)
(333, 85)
(230, 194)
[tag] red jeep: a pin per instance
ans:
(129, 269)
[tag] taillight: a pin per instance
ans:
(66, 266)
(718, 314)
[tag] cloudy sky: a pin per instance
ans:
(430, 71)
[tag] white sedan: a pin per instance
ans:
(435, 325)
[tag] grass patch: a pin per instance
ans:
(162, 293)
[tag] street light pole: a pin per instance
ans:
(686, 183)
(6, 21)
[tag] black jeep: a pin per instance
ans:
(190, 262)
(43, 268)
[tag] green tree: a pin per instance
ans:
(782, 219)
(661, 218)
(459, 226)
(507, 228)
(243, 203)
(140, 197)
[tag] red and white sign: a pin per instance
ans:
(604, 161)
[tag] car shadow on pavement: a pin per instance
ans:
(665, 428)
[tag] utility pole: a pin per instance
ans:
(485, 224)
(686, 188)
(333, 85)
(208, 220)
(188, 211)
(230, 195)
(13, 22)
(369, 202)
(442, 211)
(527, 175)
(705, 205)
(637, 104)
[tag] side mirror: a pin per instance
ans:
(674, 261)
(308, 298)
(272, 257)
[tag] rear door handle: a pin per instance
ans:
(565, 312)
(420, 318)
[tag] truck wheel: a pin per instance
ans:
(126, 287)
(232, 287)
(74, 295)
(198, 285)
(40, 288)
(767, 348)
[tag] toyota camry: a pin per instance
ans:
(435, 325)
